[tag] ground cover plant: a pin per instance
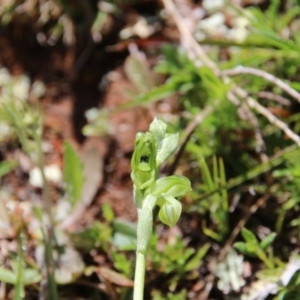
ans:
(212, 87)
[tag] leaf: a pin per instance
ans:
(240, 246)
(212, 234)
(253, 248)
(20, 265)
(73, 174)
(7, 276)
(248, 236)
(124, 227)
(196, 260)
(124, 236)
(167, 147)
(267, 241)
(108, 212)
(31, 276)
(272, 11)
(207, 178)
(122, 263)
(98, 234)
(6, 167)
(158, 129)
(224, 194)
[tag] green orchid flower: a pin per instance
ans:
(168, 191)
(152, 148)
(143, 162)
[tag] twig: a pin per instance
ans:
(197, 120)
(271, 96)
(265, 75)
(266, 113)
(245, 112)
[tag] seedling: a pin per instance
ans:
(253, 247)
(151, 149)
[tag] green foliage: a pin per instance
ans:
(20, 274)
(217, 203)
(6, 167)
(253, 247)
(73, 174)
(98, 234)
(170, 296)
(124, 234)
(176, 258)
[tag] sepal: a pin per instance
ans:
(175, 186)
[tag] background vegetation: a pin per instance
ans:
(79, 78)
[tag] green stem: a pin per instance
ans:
(48, 229)
(144, 231)
(139, 277)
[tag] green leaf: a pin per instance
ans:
(253, 248)
(124, 227)
(122, 263)
(248, 236)
(212, 234)
(174, 186)
(73, 174)
(124, 235)
(31, 276)
(267, 241)
(98, 234)
(7, 276)
(20, 266)
(207, 178)
(167, 147)
(107, 212)
(6, 167)
(240, 246)
(158, 129)
(196, 260)
(170, 211)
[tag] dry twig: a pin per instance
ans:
(271, 96)
(265, 112)
(265, 75)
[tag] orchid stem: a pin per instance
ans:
(139, 277)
